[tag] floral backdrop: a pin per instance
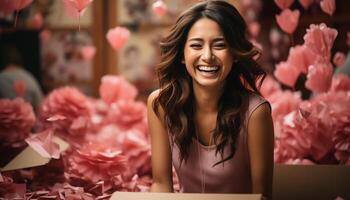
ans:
(109, 148)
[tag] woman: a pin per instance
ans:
(207, 118)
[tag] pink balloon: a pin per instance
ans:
(306, 3)
(328, 6)
(78, 5)
(159, 8)
(288, 20)
(284, 4)
(88, 52)
(117, 37)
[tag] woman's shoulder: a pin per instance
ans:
(157, 108)
(255, 101)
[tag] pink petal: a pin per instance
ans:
(117, 37)
(306, 3)
(284, 4)
(159, 8)
(319, 77)
(286, 74)
(328, 6)
(288, 20)
(320, 39)
(339, 59)
(88, 52)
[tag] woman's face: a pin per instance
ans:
(207, 55)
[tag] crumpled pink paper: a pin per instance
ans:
(42, 143)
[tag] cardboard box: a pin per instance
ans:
(181, 196)
(299, 182)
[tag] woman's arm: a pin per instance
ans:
(161, 153)
(261, 146)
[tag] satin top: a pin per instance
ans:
(232, 176)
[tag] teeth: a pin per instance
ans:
(208, 68)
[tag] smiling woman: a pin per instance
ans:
(207, 118)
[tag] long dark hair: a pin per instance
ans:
(176, 95)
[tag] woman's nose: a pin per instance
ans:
(207, 55)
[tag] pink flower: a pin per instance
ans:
(96, 162)
(301, 57)
(339, 59)
(328, 6)
(286, 73)
(116, 88)
(340, 82)
(269, 87)
(288, 20)
(284, 102)
(284, 4)
(118, 37)
(306, 3)
(127, 114)
(319, 77)
(159, 8)
(320, 38)
(75, 109)
(16, 121)
(88, 52)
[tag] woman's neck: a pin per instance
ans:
(206, 99)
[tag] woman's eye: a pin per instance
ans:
(196, 46)
(220, 46)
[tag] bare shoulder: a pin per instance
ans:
(150, 102)
(263, 112)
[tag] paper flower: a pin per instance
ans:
(116, 88)
(288, 20)
(328, 6)
(320, 38)
(284, 4)
(96, 162)
(286, 73)
(319, 77)
(300, 58)
(73, 106)
(118, 37)
(340, 82)
(16, 120)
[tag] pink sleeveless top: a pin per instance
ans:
(232, 176)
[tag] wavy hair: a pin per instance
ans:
(176, 95)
